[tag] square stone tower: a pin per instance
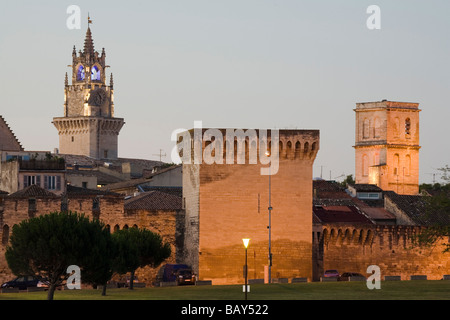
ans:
(387, 145)
(88, 126)
(228, 199)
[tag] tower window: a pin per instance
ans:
(396, 164)
(73, 139)
(81, 73)
(408, 126)
(95, 74)
(366, 128)
(365, 165)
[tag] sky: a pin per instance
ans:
(286, 64)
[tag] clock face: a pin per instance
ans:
(97, 97)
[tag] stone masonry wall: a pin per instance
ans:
(352, 249)
(169, 224)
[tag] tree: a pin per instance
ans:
(437, 212)
(137, 248)
(98, 265)
(48, 244)
(348, 180)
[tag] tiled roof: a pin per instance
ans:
(33, 191)
(323, 189)
(154, 200)
(366, 187)
(415, 207)
(102, 178)
(342, 214)
(136, 182)
(177, 191)
(125, 184)
(85, 161)
(77, 191)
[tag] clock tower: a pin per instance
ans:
(89, 127)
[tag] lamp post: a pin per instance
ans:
(270, 224)
(246, 241)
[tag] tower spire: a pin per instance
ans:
(89, 42)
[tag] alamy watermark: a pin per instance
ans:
(74, 20)
(373, 281)
(74, 280)
(374, 20)
(236, 142)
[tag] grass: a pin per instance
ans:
(391, 290)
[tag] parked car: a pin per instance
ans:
(124, 282)
(25, 282)
(185, 276)
(168, 272)
(347, 275)
(332, 273)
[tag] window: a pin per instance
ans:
(366, 128)
(396, 163)
(84, 184)
(376, 128)
(408, 126)
(96, 204)
(52, 182)
(30, 180)
(368, 195)
(81, 73)
(73, 139)
(408, 165)
(396, 127)
(365, 165)
(95, 74)
(31, 207)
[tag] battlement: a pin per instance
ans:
(352, 248)
(250, 145)
(84, 86)
(384, 104)
(368, 235)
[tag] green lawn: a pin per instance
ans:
(391, 290)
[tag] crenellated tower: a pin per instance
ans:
(89, 127)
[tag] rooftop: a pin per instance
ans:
(154, 200)
(340, 214)
(72, 190)
(416, 207)
(365, 187)
(32, 191)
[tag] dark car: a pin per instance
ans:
(331, 274)
(185, 276)
(347, 275)
(25, 282)
(168, 272)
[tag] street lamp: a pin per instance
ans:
(246, 241)
(270, 224)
